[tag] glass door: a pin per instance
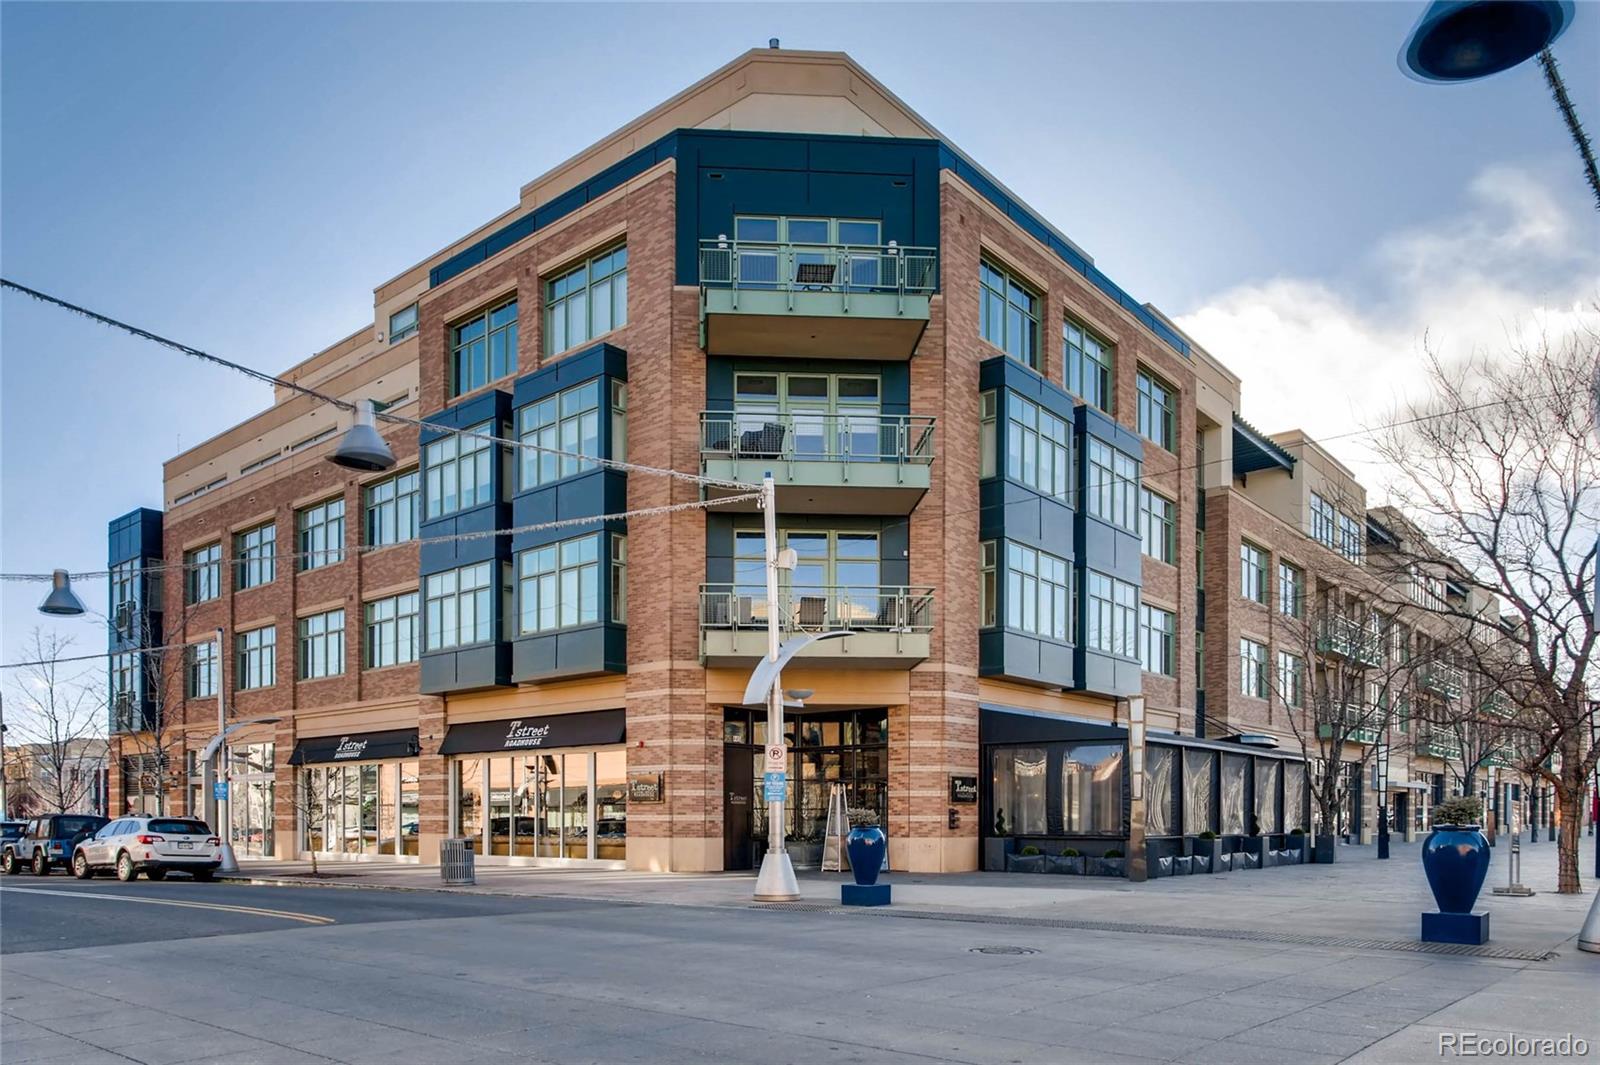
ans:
(500, 794)
(577, 813)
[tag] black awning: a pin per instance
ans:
(590, 728)
(357, 747)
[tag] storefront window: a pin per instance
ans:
(550, 809)
(1199, 770)
(469, 799)
(250, 772)
(500, 794)
(1091, 788)
(1158, 791)
(410, 807)
(1232, 794)
(847, 748)
(1294, 796)
(1268, 771)
(575, 811)
(1019, 791)
(611, 805)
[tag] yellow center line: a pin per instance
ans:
(253, 911)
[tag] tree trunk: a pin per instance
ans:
(1569, 800)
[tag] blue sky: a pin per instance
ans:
(241, 176)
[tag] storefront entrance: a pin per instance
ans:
(358, 796)
(849, 747)
(251, 786)
(549, 790)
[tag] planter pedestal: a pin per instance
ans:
(1325, 852)
(864, 894)
(1470, 928)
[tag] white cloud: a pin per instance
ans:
(1328, 357)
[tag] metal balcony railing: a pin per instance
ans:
(841, 268)
(1433, 744)
(1496, 704)
(899, 438)
(1442, 680)
(1347, 638)
(821, 608)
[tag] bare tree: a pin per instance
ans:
(1500, 465)
(1345, 686)
(61, 717)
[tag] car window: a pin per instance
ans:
(71, 826)
(110, 830)
(179, 826)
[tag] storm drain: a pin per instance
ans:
(1242, 935)
(1003, 950)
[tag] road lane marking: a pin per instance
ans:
(253, 911)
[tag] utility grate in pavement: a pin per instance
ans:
(1003, 950)
(1241, 934)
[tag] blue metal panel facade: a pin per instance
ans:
(1010, 510)
(135, 537)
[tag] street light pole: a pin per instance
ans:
(775, 882)
(230, 864)
(1383, 801)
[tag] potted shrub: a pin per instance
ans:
(1029, 859)
(1112, 863)
(1208, 847)
(866, 845)
(1297, 844)
(1068, 861)
(1456, 855)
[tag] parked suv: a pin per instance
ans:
(48, 842)
(150, 845)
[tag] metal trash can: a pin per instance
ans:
(456, 862)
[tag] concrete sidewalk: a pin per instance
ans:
(1357, 898)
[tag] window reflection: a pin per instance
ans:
(1091, 788)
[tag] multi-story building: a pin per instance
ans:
(63, 776)
(1022, 491)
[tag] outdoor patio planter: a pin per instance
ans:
(866, 845)
(1025, 863)
(1164, 866)
(1113, 864)
(1325, 849)
(1456, 859)
(1070, 864)
(1222, 863)
(1209, 849)
(1251, 861)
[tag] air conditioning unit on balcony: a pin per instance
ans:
(125, 617)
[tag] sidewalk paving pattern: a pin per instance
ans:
(690, 970)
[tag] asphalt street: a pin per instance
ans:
(185, 972)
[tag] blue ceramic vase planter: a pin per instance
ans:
(866, 846)
(1456, 859)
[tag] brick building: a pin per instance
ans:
(1000, 472)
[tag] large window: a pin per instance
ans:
(258, 658)
(1112, 616)
(255, 556)
(1252, 668)
(988, 416)
(483, 348)
(1113, 484)
(1291, 590)
(1158, 526)
(1037, 448)
(1008, 317)
(558, 585)
(460, 470)
(1156, 627)
(1352, 538)
(321, 534)
(567, 422)
(201, 670)
(1091, 788)
(459, 606)
(1252, 573)
(810, 416)
(1088, 365)
(619, 579)
(1156, 419)
(1323, 525)
(988, 583)
(393, 506)
(322, 645)
(1019, 790)
(403, 324)
(391, 630)
(202, 571)
(586, 301)
(1038, 593)
(1291, 679)
(124, 595)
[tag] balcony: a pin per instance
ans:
(1342, 637)
(1359, 725)
(1438, 745)
(836, 301)
(1441, 680)
(822, 463)
(890, 625)
(1495, 704)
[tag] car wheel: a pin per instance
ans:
(203, 875)
(9, 863)
(125, 870)
(80, 867)
(41, 864)
(157, 874)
